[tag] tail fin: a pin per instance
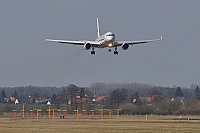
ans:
(98, 30)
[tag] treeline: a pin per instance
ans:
(104, 89)
(133, 98)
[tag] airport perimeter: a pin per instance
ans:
(124, 124)
(53, 120)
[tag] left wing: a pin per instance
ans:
(68, 42)
(119, 43)
(93, 43)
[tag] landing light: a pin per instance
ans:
(110, 44)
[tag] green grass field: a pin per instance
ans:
(125, 124)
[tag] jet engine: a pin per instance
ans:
(87, 46)
(125, 46)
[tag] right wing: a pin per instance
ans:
(93, 43)
(119, 43)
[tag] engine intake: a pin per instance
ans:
(87, 46)
(125, 46)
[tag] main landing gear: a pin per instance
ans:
(115, 52)
(92, 52)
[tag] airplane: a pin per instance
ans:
(103, 41)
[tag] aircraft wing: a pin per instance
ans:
(93, 43)
(119, 43)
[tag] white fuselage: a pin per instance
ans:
(106, 40)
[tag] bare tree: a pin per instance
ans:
(97, 88)
(63, 95)
(71, 92)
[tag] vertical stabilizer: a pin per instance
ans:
(98, 30)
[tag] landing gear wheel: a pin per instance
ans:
(92, 52)
(115, 53)
(109, 50)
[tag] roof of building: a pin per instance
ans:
(98, 99)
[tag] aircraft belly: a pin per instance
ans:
(103, 45)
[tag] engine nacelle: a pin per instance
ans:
(87, 46)
(125, 46)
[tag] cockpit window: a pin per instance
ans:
(110, 35)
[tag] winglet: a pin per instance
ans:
(161, 37)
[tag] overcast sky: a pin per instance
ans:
(26, 59)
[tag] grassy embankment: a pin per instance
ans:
(128, 124)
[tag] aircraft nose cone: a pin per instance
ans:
(109, 37)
